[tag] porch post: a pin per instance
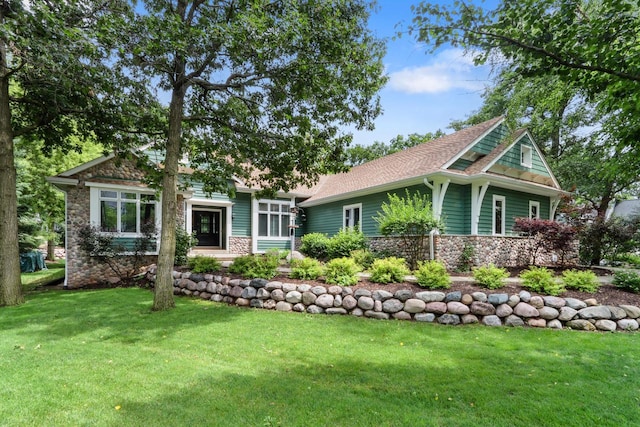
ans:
(478, 190)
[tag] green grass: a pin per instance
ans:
(102, 358)
(53, 273)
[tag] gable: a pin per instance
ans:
(480, 148)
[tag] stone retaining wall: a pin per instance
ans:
(450, 308)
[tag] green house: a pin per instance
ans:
(478, 179)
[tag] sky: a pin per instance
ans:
(425, 92)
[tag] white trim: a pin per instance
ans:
(188, 213)
(526, 156)
(351, 207)
(132, 188)
(478, 191)
(474, 142)
(535, 203)
(255, 214)
(88, 165)
(62, 182)
(553, 206)
(438, 191)
(502, 199)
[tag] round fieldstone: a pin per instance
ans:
(236, 291)
(536, 302)
(216, 298)
(308, 298)
(224, 289)
(336, 310)
(436, 307)
(595, 312)
(212, 287)
(497, 299)
(514, 321)
(325, 300)
(414, 305)
(479, 296)
(401, 315)
(555, 302)
(293, 297)
(376, 315)
(349, 302)
(632, 311)
(425, 317)
(304, 288)
(314, 309)
(243, 302)
(468, 319)
(466, 299)
(591, 302)
(337, 301)
(453, 296)
(430, 296)
(365, 303)
(197, 277)
(283, 306)
(513, 300)
(482, 308)
(381, 295)
(567, 313)
(617, 313)
(257, 303)
(362, 293)
(554, 324)
(263, 294)
(504, 310)
(269, 304)
(525, 310)
(201, 286)
(249, 292)
(524, 296)
(357, 312)
(491, 320)
(628, 324)
(581, 325)
(335, 290)
(606, 325)
(189, 284)
(259, 283)
(403, 294)
(377, 305)
(271, 286)
(288, 287)
(455, 307)
(277, 295)
(575, 303)
(548, 313)
(299, 307)
(449, 319)
(392, 305)
(234, 282)
(205, 295)
(537, 323)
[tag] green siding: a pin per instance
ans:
(491, 140)
(461, 164)
(241, 224)
(265, 245)
(128, 243)
(328, 218)
(511, 158)
(517, 206)
(456, 209)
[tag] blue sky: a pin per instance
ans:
(425, 91)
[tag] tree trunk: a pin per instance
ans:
(51, 243)
(163, 293)
(10, 282)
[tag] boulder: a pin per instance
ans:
(513, 320)
(491, 320)
(632, 311)
(453, 296)
(537, 323)
(376, 315)
(436, 307)
(392, 305)
(430, 296)
(504, 310)
(309, 298)
(414, 305)
(497, 299)
(595, 312)
(293, 297)
(548, 313)
(336, 310)
(482, 308)
(425, 317)
(249, 292)
(468, 319)
(574, 303)
(381, 295)
(401, 315)
(449, 319)
(324, 301)
(525, 310)
(271, 286)
(536, 302)
(554, 324)
(617, 313)
(581, 325)
(628, 324)
(283, 306)
(314, 309)
(567, 313)
(365, 303)
(455, 307)
(349, 302)
(403, 294)
(479, 296)
(606, 325)
(555, 302)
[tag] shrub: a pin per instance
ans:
(627, 280)
(584, 281)
(306, 269)
(255, 266)
(363, 257)
(389, 270)
(314, 245)
(341, 271)
(546, 235)
(204, 264)
(280, 254)
(540, 279)
(344, 242)
(465, 261)
(490, 276)
(433, 275)
(184, 243)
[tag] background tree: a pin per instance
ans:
(358, 154)
(257, 90)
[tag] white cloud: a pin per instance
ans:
(451, 69)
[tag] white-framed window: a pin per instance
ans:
(526, 156)
(352, 216)
(499, 210)
(274, 218)
(123, 210)
(534, 209)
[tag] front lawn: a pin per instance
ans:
(55, 272)
(103, 358)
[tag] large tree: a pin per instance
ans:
(56, 82)
(257, 90)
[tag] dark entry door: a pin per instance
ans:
(206, 225)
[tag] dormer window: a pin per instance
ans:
(526, 156)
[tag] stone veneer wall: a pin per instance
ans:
(450, 308)
(240, 245)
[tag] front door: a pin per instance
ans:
(206, 225)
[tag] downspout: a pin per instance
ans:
(432, 252)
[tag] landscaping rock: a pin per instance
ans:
(314, 309)
(497, 299)
(414, 305)
(581, 325)
(346, 291)
(628, 324)
(513, 300)
(491, 320)
(349, 302)
(288, 287)
(318, 290)
(595, 312)
(376, 315)
(392, 305)
(277, 295)
(243, 302)
(479, 296)
(591, 302)
(336, 310)
(197, 277)
(606, 325)
(425, 317)
(482, 308)
(574, 303)
(513, 320)
(466, 299)
(554, 324)
(304, 288)
(335, 290)
(377, 305)
(293, 297)
(468, 319)
(567, 313)
(269, 304)
(524, 296)
(401, 315)
(362, 293)
(283, 306)
(201, 286)
(449, 319)
(436, 307)
(455, 307)
(249, 292)
(537, 323)
(382, 295)
(430, 296)
(365, 302)
(357, 312)
(633, 312)
(548, 313)
(258, 283)
(325, 301)
(453, 296)
(617, 313)
(536, 302)
(337, 301)
(403, 294)
(309, 298)
(504, 310)
(555, 302)
(216, 298)
(257, 303)
(212, 287)
(236, 291)
(525, 310)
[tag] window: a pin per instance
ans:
(125, 211)
(352, 216)
(499, 210)
(273, 218)
(526, 156)
(534, 209)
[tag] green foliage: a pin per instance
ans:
(632, 260)
(306, 269)
(363, 257)
(433, 275)
(315, 245)
(204, 264)
(585, 281)
(627, 280)
(344, 242)
(280, 254)
(466, 259)
(389, 270)
(490, 276)
(255, 266)
(359, 154)
(411, 218)
(541, 280)
(184, 243)
(341, 271)
(29, 232)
